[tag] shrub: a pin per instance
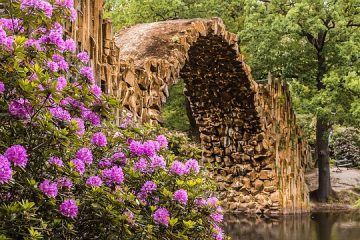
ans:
(345, 144)
(67, 172)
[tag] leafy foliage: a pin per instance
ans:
(174, 111)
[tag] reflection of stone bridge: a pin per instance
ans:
(248, 131)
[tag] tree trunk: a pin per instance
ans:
(322, 152)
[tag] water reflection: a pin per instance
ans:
(315, 226)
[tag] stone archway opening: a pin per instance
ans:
(176, 112)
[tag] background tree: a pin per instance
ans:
(315, 46)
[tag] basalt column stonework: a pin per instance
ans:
(248, 131)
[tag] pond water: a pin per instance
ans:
(314, 226)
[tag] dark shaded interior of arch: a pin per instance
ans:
(221, 100)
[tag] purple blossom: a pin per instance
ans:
(53, 66)
(92, 117)
(38, 5)
(218, 234)
(85, 155)
(4, 40)
(157, 162)
(162, 140)
(96, 90)
(200, 202)
(70, 45)
(94, 181)
(69, 208)
(21, 108)
(104, 163)
(130, 216)
(114, 175)
(55, 37)
(48, 188)
(212, 201)
(5, 170)
(65, 3)
(119, 156)
(2, 87)
(64, 182)
(80, 126)
(88, 73)
(57, 57)
(60, 113)
(83, 57)
(192, 165)
(161, 216)
(73, 14)
(136, 148)
(150, 147)
(63, 65)
(56, 161)
(99, 139)
(181, 196)
(79, 166)
(178, 168)
(217, 217)
(61, 83)
(17, 154)
(12, 24)
(148, 187)
(141, 165)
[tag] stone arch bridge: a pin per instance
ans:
(248, 131)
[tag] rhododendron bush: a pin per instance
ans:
(66, 171)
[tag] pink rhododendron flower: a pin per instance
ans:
(141, 165)
(162, 140)
(21, 108)
(83, 57)
(17, 154)
(192, 165)
(64, 182)
(119, 156)
(69, 208)
(178, 168)
(61, 83)
(217, 217)
(94, 181)
(65, 3)
(96, 90)
(161, 216)
(2, 87)
(5, 170)
(56, 161)
(38, 5)
(99, 139)
(79, 166)
(48, 188)
(60, 113)
(181, 196)
(70, 45)
(114, 175)
(88, 73)
(157, 162)
(85, 155)
(80, 126)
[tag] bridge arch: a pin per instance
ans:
(248, 131)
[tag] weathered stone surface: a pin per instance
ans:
(248, 131)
